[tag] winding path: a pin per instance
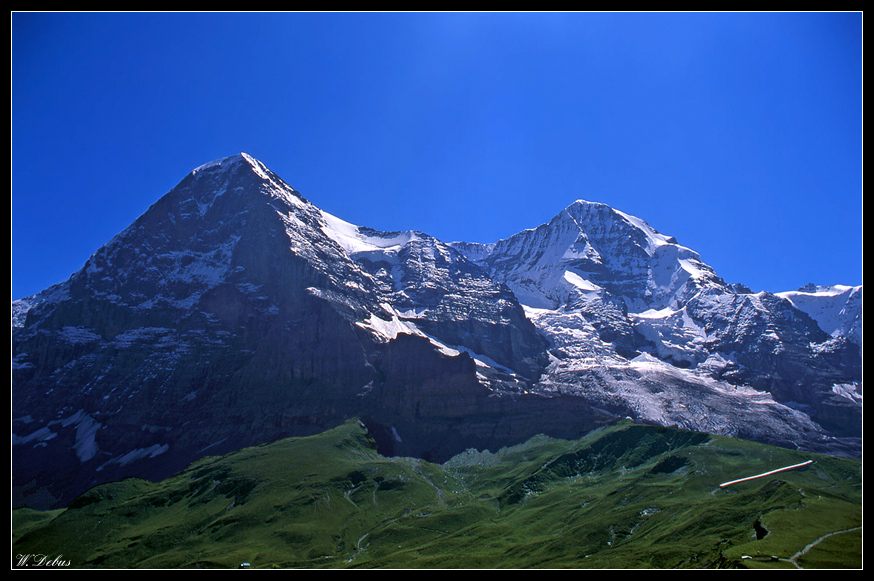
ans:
(794, 557)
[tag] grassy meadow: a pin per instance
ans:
(625, 496)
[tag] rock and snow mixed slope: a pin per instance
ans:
(639, 325)
(234, 312)
(837, 309)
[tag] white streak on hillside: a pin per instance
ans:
(785, 468)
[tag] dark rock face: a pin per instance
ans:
(781, 350)
(225, 317)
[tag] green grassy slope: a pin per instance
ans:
(622, 497)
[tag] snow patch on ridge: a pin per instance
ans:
(850, 391)
(216, 163)
(654, 238)
(837, 309)
(388, 330)
(579, 282)
(85, 443)
(675, 334)
(137, 454)
(358, 244)
(230, 161)
(86, 432)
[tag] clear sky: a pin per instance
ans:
(739, 134)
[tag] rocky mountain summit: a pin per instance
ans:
(235, 312)
(640, 324)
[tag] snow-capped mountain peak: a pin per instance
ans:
(225, 174)
(225, 162)
(589, 246)
(232, 163)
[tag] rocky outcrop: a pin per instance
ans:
(439, 291)
(779, 349)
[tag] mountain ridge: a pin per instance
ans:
(234, 312)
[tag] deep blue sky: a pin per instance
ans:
(739, 134)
